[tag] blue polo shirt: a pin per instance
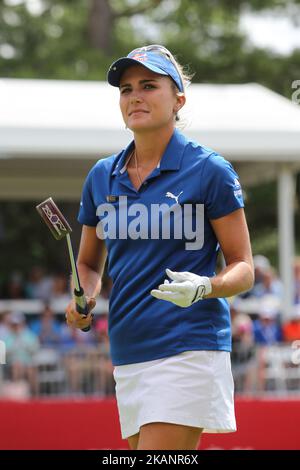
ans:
(151, 229)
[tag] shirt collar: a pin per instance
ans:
(171, 159)
(121, 163)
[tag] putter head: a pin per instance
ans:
(53, 218)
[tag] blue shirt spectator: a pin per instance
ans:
(47, 328)
(266, 329)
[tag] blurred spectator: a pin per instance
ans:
(21, 345)
(265, 281)
(39, 286)
(267, 329)
(106, 287)
(297, 280)
(78, 356)
(243, 349)
(291, 329)
(104, 371)
(60, 289)
(14, 288)
(261, 265)
(101, 331)
(73, 338)
(4, 328)
(268, 284)
(47, 328)
(101, 328)
(267, 332)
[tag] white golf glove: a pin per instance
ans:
(184, 290)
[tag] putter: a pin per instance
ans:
(60, 228)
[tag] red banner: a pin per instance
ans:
(94, 424)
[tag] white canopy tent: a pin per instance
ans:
(77, 119)
(51, 132)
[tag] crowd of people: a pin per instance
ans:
(33, 340)
(85, 357)
(40, 285)
(30, 344)
(263, 326)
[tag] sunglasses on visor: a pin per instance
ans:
(162, 50)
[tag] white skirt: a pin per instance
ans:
(194, 388)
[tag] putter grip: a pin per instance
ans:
(81, 304)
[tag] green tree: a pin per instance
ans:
(78, 39)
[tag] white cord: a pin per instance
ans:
(136, 169)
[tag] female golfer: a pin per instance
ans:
(162, 209)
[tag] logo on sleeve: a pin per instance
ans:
(237, 188)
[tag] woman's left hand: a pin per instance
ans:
(185, 289)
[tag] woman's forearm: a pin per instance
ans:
(90, 280)
(235, 278)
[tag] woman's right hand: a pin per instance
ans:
(77, 320)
